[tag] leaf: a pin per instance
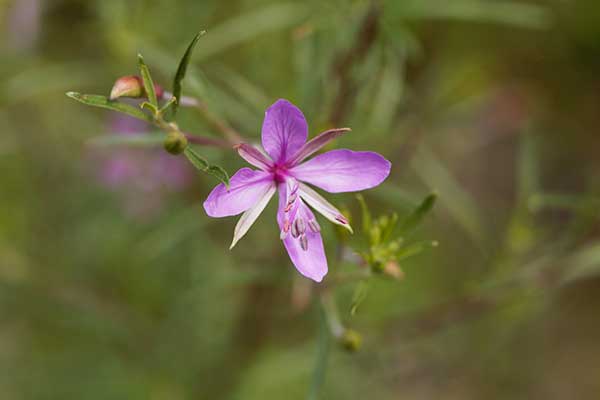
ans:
(104, 102)
(201, 164)
(219, 173)
(148, 83)
(415, 218)
(181, 71)
(198, 161)
(359, 295)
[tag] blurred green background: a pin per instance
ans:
(114, 284)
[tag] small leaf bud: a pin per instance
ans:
(175, 143)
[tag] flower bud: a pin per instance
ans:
(175, 143)
(127, 86)
(351, 340)
(132, 86)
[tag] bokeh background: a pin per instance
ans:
(114, 284)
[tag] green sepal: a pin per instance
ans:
(201, 164)
(148, 83)
(104, 102)
(181, 71)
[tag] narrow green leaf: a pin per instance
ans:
(181, 71)
(148, 83)
(219, 173)
(359, 295)
(201, 164)
(415, 217)
(103, 102)
(198, 161)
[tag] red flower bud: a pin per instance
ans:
(132, 86)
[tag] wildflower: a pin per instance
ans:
(283, 169)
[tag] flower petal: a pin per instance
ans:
(246, 188)
(344, 170)
(250, 215)
(284, 130)
(310, 262)
(325, 208)
(316, 143)
(253, 156)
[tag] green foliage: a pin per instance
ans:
(103, 102)
(202, 165)
(181, 71)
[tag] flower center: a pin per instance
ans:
(279, 172)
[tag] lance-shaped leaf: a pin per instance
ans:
(181, 71)
(201, 164)
(148, 83)
(104, 102)
(415, 217)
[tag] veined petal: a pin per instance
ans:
(310, 261)
(246, 188)
(251, 214)
(326, 209)
(253, 156)
(316, 143)
(344, 170)
(284, 130)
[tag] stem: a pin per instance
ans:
(323, 346)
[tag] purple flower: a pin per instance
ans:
(284, 134)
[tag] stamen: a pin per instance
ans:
(286, 225)
(314, 225)
(295, 232)
(304, 242)
(283, 235)
(300, 225)
(288, 207)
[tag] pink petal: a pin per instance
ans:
(316, 143)
(284, 130)
(247, 187)
(344, 170)
(312, 262)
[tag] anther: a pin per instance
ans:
(286, 225)
(300, 225)
(295, 231)
(283, 235)
(314, 225)
(304, 242)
